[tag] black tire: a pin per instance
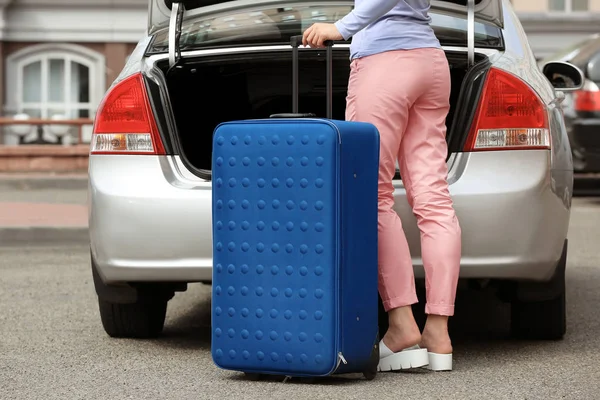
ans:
(539, 311)
(539, 320)
(141, 320)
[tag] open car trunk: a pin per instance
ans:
(207, 91)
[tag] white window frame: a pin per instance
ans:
(568, 8)
(94, 61)
(45, 103)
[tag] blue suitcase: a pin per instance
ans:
(295, 244)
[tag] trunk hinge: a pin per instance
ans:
(177, 10)
(471, 33)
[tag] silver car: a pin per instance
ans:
(207, 61)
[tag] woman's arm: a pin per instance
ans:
(364, 14)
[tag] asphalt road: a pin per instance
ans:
(52, 345)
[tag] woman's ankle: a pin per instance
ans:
(436, 337)
(403, 331)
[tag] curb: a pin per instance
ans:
(44, 183)
(43, 236)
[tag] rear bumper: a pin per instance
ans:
(514, 213)
(150, 220)
(147, 222)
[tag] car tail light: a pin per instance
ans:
(125, 122)
(510, 116)
(588, 99)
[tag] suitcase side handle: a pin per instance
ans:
(295, 42)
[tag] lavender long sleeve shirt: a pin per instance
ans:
(377, 26)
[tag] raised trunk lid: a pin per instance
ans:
(174, 12)
(159, 12)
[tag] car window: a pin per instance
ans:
(275, 25)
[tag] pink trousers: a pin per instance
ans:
(405, 94)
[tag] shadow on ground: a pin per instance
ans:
(480, 329)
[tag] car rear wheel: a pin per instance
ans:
(133, 310)
(143, 319)
(539, 312)
(539, 320)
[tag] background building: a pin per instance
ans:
(554, 24)
(57, 57)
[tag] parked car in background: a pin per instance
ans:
(208, 61)
(582, 107)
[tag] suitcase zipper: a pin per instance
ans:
(341, 359)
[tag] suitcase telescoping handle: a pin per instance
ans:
(296, 41)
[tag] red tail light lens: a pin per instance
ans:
(125, 122)
(587, 101)
(511, 116)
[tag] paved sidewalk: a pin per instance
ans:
(43, 210)
(42, 214)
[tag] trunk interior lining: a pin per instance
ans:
(204, 93)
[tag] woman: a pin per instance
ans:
(400, 82)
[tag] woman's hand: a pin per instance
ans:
(318, 33)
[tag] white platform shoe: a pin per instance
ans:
(413, 357)
(439, 362)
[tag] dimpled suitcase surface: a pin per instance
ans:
(295, 247)
(295, 243)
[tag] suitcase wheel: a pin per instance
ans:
(371, 372)
(370, 375)
(253, 376)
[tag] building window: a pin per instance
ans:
(54, 84)
(568, 5)
(45, 81)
